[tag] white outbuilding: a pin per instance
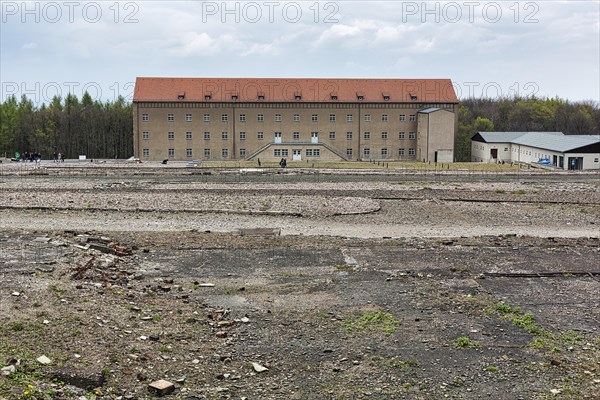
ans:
(569, 152)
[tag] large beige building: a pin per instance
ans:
(296, 119)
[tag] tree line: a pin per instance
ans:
(105, 130)
(70, 126)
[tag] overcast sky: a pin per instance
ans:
(546, 48)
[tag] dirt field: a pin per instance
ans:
(338, 284)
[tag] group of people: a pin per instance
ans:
(36, 157)
(28, 156)
(58, 157)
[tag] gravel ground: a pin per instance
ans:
(372, 290)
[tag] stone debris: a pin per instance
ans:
(259, 368)
(8, 370)
(84, 378)
(161, 387)
(44, 360)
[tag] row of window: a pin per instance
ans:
(297, 97)
(295, 135)
(281, 152)
(278, 117)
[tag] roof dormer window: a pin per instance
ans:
(386, 98)
(181, 96)
(261, 95)
(298, 97)
(333, 97)
(413, 96)
(207, 97)
(360, 96)
(234, 97)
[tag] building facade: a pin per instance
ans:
(568, 152)
(296, 119)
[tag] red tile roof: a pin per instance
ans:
(293, 90)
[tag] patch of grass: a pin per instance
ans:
(520, 191)
(463, 342)
(17, 326)
(344, 268)
(165, 349)
(290, 274)
(491, 368)
(499, 191)
(404, 364)
(372, 321)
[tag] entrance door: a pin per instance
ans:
(314, 137)
(575, 163)
(494, 153)
(435, 157)
(296, 155)
(555, 160)
(277, 137)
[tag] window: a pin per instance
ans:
(402, 117)
(413, 97)
(296, 118)
(224, 118)
(298, 97)
(224, 153)
(333, 97)
(242, 153)
(596, 159)
(277, 117)
(206, 117)
(171, 135)
(242, 135)
(384, 152)
(261, 97)
(367, 135)
(170, 117)
(144, 117)
(224, 135)
(145, 135)
(277, 153)
(384, 118)
(260, 118)
(188, 136)
(188, 152)
(188, 117)
(506, 149)
(412, 135)
(349, 118)
(400, 152)
(285, 152)
(314, 118)
(412, 118)
(296, 135)
(171, 152)
(234, 97)
(242, 117)
(411, 152)
(386, 98)
(207, 97)
(313, 152)
(331, 117)
(331, 135)
(348, 135)
(260, 135)
(367, 117)
(206, 135)
(146, 152)
(349, 153)
(401, 135)
(207, 153)
(366, 152)
(361, 98)
(384, 135)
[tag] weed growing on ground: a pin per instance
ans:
(372, 321)
(464, 341)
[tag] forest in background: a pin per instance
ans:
(97, 129)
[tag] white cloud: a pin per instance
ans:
(30, 45)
